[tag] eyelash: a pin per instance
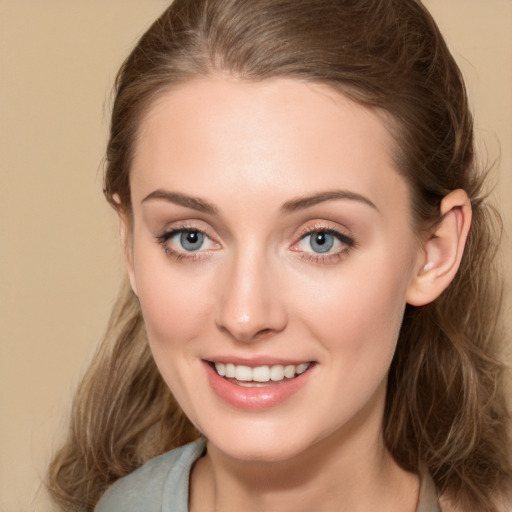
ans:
(163, 240)
(327, 258)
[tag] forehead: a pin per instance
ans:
(275, 135)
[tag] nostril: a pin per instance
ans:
(262, 333)
(247, 335)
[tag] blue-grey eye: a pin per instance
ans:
(191, 240)
(321, 241)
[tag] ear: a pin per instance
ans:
(126, 241)
(442, 250)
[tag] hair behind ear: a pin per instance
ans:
(446, 407)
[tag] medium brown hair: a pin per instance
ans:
(445, 410)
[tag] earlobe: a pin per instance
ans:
(442, 250)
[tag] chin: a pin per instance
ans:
(260, 442)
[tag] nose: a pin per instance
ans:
(250, 306)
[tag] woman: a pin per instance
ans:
(310, 262)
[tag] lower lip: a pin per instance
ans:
(254, 398)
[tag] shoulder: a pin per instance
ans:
(428, 500)
(151, 487)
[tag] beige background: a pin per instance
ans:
(59, 258)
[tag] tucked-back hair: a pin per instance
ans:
(446, 411)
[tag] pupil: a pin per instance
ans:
(192, 237)
(320, 239)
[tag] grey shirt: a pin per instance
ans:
(162, 484)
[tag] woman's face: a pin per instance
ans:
(272, 256)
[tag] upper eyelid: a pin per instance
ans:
(330, 230)
(324, 226)
(171, 233)
(171, 230)
(344, 239)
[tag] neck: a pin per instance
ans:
(350, 470)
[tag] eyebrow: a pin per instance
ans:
(195, 203)
(302, 203)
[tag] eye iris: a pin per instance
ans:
(191, 240)
(321, 242)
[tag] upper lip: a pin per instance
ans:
(256, 361)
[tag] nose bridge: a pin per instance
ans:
(250, 304)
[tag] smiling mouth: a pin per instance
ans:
(259, 375)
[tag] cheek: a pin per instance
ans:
(357, 322)
(174, 303)
(357, 314)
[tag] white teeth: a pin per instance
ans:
(277, 372)
(289, 371)
(221, 369)
(243, 373)
(273, 373)
(301, 368)
(230, 370)
(261, 374)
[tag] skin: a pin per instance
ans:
(257, 288)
